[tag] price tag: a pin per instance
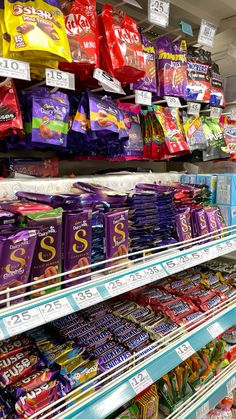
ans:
(118, 286)
(57, 78)
(197, 256)
(158, 12)
(194, 108)
(231, 385)
(207, 33)
(14, 69)
(233, 114)
(173, 102)
(172, 265)
(55, 309)
(185, 350)
(154, 273)
(143, 98)
(215, 112)
(87, 298)
(108, 82)
(141, 381)
(215, 330)
(26, 320)
(136, 278)
(202, 411)
(186, 28)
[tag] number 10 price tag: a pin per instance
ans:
(141, 381)
(14, 69)
(57, 78)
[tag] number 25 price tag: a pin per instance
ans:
(158, 12)
(56, 309)
(18, 323)
(57, 78)
(140, 381)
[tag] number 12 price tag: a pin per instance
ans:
(158, 12)
(57, 78)
(141, 381)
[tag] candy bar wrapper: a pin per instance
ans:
(8, 220)
(198, 73)
(16, 256)
(199, 221)
(31, 382)
(217, 87)
(65, 201)
(149, 81)
(12, 346)
(18, 366)
(172, 67)
(77, 227)
(47, 255)
(22, 208)
(183, 225)
(116, 236)
(81, 373)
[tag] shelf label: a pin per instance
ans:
(202, 411)
(185, 350)
(14, 69)
(172, 265)
(231, 385)
(173, 102)
(197, 256)
(215, 112)
(233, 114)
(143, 98)
(158, 12)
(194, 108)
(207, 33)
(155, 272)
(108, 82)
(118, 286)
(141, 381)
(87, 298)
(55, 309)
(215, 330)
(26, 320)
(62, 79)
(136, 278)
(2, 337)
(186, 28)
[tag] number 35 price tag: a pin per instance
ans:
(18, 323)
(55, 309)
(56, 78)
(141, 381)
(87, 298)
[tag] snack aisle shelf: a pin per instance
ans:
(35, 312)
(120, 390)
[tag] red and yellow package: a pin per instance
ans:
(120, 45)
(36, 30)
(82, 31)
(10, 115)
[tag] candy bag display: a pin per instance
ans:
(120, 46)
(133, 147)
(149, 81)
(10, 115)
(217, 88)
(172, 67)
(229, 128)
(50, 118)
(116, 236)
(213, 132)
(169, 120)
(198, 73)
(82, 32)
(37, 31)
(194, 133)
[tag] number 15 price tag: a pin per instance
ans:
(141, 381)
(57, 78)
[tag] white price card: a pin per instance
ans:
(143, 98)
(56, 309)
(141, 381)
(196, 256)
(14, 69)
(231, 385)
(185, 350)
(233, 114)
(136, 278)
(61, 79)
(207, 33)
(215, 112)
(26, 320)
(107, 81)
(87, 298)
(173, 102)
(155, 272)
(202, 411)
(159, 12)
(215, 330)
(194, 108)
(172, 265)
(118, 286)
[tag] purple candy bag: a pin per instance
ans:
(133, 148)
(149, 81)
(16, 255)
(77, 227)
(7, 220)
(50, 114)
(172, 67)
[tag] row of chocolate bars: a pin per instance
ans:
(41, 366)
(93, 224)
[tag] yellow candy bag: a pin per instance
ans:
(37, 30)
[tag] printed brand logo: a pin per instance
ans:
(76, 24)
(29, 10)
(126, 36)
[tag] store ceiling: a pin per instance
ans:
(220, 12)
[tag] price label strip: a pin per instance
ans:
(136, 279)
(108, 82)
(215, 112)
(87, 298)
(215, 330)
(143, 98)
(14, 69)
(118, 286)
(2, 337)
(231, 385)
(155, 272)
(207, 33)
(159, 12)
(26, 320)
(185, 350)
(55, 309)
(61, 79)
(194, 108)
(141, 381)
(173, 102)
(202, 411)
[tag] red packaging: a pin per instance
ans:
(82, 31)
(120, 45)
(10, 115)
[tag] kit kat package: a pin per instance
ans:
(116, 235)
(77, 228)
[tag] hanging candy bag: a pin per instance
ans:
(10, 115)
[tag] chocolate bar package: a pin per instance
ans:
(47, 255)
(116, 235)
(65, 201)
(77, 228)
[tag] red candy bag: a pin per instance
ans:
(120, 45)
(82, 32)
(10, 115)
